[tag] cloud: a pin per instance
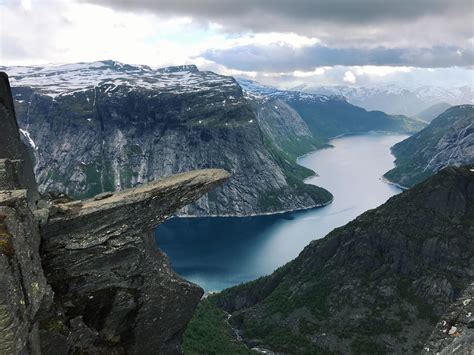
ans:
(334, 21)
(253, 12)
(284, 57)
(349, 77)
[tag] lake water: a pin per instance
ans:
(217, 253)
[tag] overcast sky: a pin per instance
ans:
(282, 42)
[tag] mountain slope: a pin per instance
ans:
(448, 140)
(106, 126)
(330, 116)
(375, 285)
(433, 111)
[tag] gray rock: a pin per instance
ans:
(114, 291)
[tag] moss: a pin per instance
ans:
(54, 325)
(6, 242)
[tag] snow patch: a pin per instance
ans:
(29, 139)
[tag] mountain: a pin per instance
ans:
(433, 111)
(448, 140)
(330, 116)
(85, 277)
(106, 126)
(397, 99)
(376, 285)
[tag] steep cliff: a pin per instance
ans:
(107, 126)
(448, 140)
(377, 285)
(85, 277)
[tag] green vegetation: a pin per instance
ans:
(338, 117)
(297, 148)
(365, 345)
(424, 309)
(6, 243)
(54, 324)
(295, 175)
(208, 332)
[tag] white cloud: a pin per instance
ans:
(349, 77)
(380, 70)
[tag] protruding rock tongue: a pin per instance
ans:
(16, 169)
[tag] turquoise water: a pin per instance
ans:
(217, 253)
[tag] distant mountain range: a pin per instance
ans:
(103, 126)
(374, 286)
(397, 100)
(331, 116)
(447, 141)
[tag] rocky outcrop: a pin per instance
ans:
(105, 126)
(448, 140)
(24, 292)
(454, 333)
(98, 284)
(12, 148)
(109, 280)
(377, 285)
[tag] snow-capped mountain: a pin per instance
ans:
(394, 99)
(254, 88)
(70, 78)
(104, 126)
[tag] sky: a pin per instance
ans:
(279, 42)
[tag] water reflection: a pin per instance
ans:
(220, 252)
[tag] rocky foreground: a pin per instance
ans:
(85, 277)
(377, 285)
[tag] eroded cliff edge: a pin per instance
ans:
(97, 284)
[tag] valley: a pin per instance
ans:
(217, 253)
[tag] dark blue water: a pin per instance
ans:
(217, 253)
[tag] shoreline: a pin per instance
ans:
(288, 211)
(387, 181)
(259, 214)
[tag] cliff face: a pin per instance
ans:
(114, 126)
(97, 284)
(448, 140)
(377, 285)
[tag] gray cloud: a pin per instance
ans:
(251, 12)
(284, 58)
(426, 33)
